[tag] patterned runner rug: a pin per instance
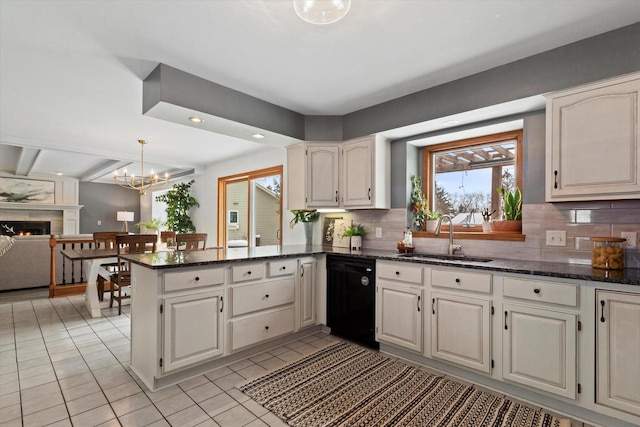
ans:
(347, 385)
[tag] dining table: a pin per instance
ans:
(93, 259)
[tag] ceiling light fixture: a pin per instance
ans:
(141, 183)
(321, 12)
(450, 123)
(257, 135)
(195, 119)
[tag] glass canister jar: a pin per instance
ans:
(608, 252)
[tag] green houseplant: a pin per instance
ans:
(356, 233)
(305, 216)
(179, 201)
(511, 212)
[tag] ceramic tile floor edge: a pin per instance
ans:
(210, 399)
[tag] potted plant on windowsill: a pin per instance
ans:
(356, 233)
(511, 212)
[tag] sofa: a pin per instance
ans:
(27, 263)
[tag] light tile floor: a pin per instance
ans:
(60, 367)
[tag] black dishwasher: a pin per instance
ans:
(351, 296)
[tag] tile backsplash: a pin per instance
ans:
(580, 220)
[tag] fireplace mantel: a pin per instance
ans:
(40, 207)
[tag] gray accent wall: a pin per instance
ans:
(101, 202)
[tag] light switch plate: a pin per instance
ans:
(556, 238)
(378, 232)
(632, 238)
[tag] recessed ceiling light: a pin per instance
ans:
(195, 119)
(450, 123)
(59, 173)
(257, 135)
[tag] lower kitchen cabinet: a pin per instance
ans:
(261, 327)
(461, 330)
(307, 290)
(618, 350)
(399, 315)
(539, 348)
(192, 326)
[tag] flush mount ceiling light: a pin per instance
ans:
(321, 12)
(195, 119)
(257, 135)
(140, 183)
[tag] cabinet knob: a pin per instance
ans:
(284, 267)
(457, 280)
(397, 273)
(249, 272)
(266, 328)
(536, 291)
(197, 278)
(266, 296)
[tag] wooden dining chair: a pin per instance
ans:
(105, 240)
(191, 241)
(165, 236)
(121, 280)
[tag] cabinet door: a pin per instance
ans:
(595, 143)
(306, 305)
(618, 350)
(323, 175)
(192, 329)
(539, 348)
(357, 174)
(461, 330)
(399, 315)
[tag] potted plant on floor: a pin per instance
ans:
(511, 212)
(356, 233)
(179, 201)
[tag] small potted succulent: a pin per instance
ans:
(356, 233)
(511, 212)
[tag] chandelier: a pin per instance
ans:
(140, 183)
(321, 12)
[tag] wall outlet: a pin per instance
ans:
(556, 238)
(99, 222)
(632, 238)
(378, 232)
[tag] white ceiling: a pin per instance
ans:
(71, 72)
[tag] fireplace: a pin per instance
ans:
(25, 228)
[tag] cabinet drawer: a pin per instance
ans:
(536, 290)
(244, 272)
(260, 296)
(478, 282)
(179, 280)
(261, 327)
(400, 271)
(283, 267)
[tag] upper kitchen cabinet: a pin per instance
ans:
(593, 141)
(354, 174)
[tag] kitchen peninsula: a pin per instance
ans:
(536, 330)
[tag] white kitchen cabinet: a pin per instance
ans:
(618, 350)
(593, 141)
(307, 289)
(192, 329)
(353, 174)
(461, 329)
(399, 305)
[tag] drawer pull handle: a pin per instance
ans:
(505, 320)
(433, 306)
(555, 179)
(266, 328)
(536, 291)
(418, 302)
(457, 280)
(336, 195)
(602, 310)
(197, 279)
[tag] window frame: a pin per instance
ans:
(474, 232)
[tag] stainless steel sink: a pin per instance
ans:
(444, 257)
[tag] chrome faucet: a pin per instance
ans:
(453, 248)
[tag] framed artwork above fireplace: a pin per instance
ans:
(18, 190)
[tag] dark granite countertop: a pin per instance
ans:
(167, 260)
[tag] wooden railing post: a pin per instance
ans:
(52, 268)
